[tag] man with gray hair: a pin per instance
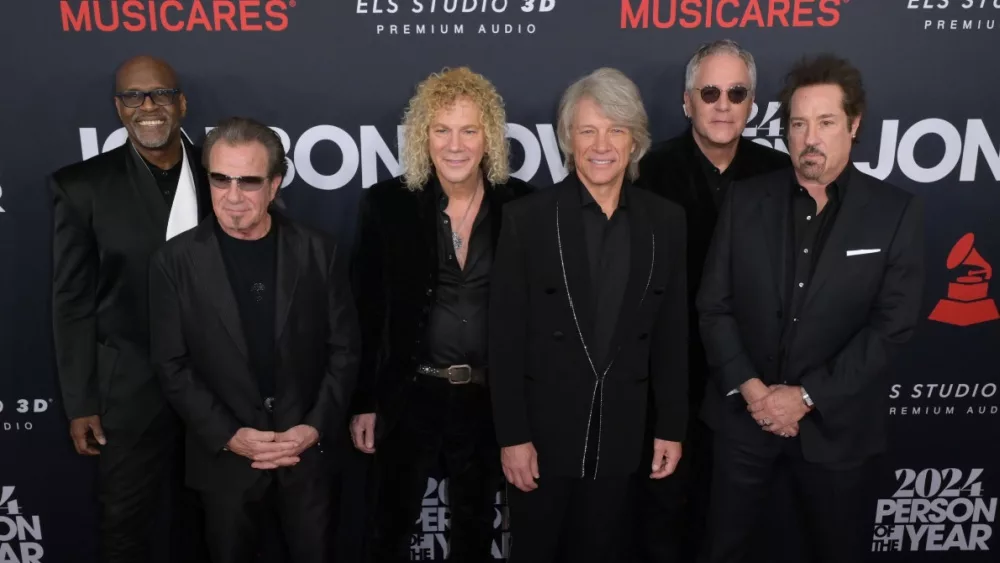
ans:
(588, 312)
(695, 170)
(255, 341)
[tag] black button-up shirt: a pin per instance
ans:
(806, 238)
(718, 181)
(166, 180)
(457, 328)
(608, 251)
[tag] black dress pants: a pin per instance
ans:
(669, 515)
(567, 519)
(440, 425)
(147, 514)
(833, 503)
(274, 521)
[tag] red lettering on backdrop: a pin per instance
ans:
(132, 9)
(114, 16)
(753, 13)
(246, 15)
(801, 11)
(227, 17)
(198, 17)
(726, 23)
(275, 10)
(776, 12)
(163, 15)
(687, 9)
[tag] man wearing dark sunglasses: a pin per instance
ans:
(256, 344)
(110, 213)
(695, 169)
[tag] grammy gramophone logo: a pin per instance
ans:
(968, 302)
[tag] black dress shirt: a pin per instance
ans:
(252, 266)
(608, 244)
(718, 181)
(458, 323)
(806, 237)
(166, 180)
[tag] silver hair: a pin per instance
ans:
(619, 99)
(720, 47)
(237, 131)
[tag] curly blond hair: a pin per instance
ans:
(441, 90)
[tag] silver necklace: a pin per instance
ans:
(456, 240)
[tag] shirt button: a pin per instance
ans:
(806, 251)
(809, 217)
(795, 320)
(801, 284)
(464, 321)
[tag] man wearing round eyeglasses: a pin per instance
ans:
(256, 344)
(695, 169)
(110, 213)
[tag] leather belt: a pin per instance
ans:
(456, 375)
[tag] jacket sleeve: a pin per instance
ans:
(342, 348)
(669, 342)
(369, 293)
(728, 362)
(75, 267)
(862, 362)
(197, 405)
(508, 337)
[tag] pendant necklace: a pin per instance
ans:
(456, 241)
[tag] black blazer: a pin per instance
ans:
(672, 169)
(858, 312)
(200, 353)
(543, 387)
(109, 216)
(394, 277)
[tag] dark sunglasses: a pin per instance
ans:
(160, 97)
(245, 183)
(736, 94)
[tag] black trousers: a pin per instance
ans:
(669, 514)
(446, 425)
(833, 504)
(147, 514)
(276, 520)
(567, 519)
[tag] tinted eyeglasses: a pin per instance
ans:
(245, 183)
(160, 97)
(736, 94)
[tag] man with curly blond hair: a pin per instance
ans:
(421, 269)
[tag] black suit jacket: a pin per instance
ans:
(672, 169)
(394, 273)
(109, 216)
(860, 309)
(200, 353)
(542, 384)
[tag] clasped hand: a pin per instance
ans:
(271, 450)
(777, 409)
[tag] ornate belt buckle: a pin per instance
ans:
(463, 369)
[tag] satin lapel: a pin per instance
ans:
(287, 275)
(210, 267)
(148, 192)
(852, 209)
(774, 222)
(574, 264)
(641, 262)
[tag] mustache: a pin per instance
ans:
(811, 150)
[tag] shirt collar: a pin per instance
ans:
(586, 199)
(836, 189)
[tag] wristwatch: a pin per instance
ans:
(806, 398)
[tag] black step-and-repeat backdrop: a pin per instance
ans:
(332, 77)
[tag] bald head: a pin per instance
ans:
(145, 66)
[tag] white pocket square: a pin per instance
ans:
(861, 251)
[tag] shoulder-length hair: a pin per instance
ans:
(441, 90)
